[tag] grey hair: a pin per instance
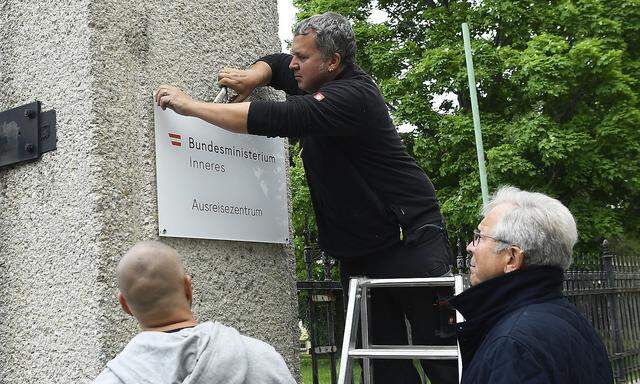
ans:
(540, 225)
(333, 35)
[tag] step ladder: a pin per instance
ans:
(357, 310)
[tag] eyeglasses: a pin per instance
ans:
(477, 236)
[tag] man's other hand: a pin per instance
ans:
(174, 98)
(241, 81)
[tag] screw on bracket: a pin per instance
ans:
(29, 113)
(28, 147)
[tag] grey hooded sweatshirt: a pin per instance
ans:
(207, 353)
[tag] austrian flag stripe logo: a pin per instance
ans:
(175, 139)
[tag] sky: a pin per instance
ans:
(287, 16)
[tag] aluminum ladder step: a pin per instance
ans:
(446, 281)
(357, 312)
(433, 352)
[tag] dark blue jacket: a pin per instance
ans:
(520, 329)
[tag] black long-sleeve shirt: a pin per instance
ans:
(367, 192)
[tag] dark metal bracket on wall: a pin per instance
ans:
(26, 133)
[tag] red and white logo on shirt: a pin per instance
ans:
(318, 96)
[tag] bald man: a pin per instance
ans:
(173, 347)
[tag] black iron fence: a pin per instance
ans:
(320, 298)
(606, 290)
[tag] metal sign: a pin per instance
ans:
(213, 184)
(325, 349)
(322, 298)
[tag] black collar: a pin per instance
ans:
(485, 304)
(347, 72)
(508, 292)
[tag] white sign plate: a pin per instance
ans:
(213, 184)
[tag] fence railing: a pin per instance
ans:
(321, 296)
(606, 291)
(608, 294)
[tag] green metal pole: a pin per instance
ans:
(476, 114)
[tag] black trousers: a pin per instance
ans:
(390, 306)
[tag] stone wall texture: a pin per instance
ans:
(66, 219)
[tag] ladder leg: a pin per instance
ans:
(458, 287)
(364, 321)
(358, 309)
(350, 333)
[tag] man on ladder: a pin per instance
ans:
(376, 210)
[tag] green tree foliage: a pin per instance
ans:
(303, 218)
(558, 86)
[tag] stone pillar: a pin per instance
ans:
(66, 219)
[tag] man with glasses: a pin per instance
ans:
(519, 328)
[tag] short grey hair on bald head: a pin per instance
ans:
(540, 225)
(333, 35)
